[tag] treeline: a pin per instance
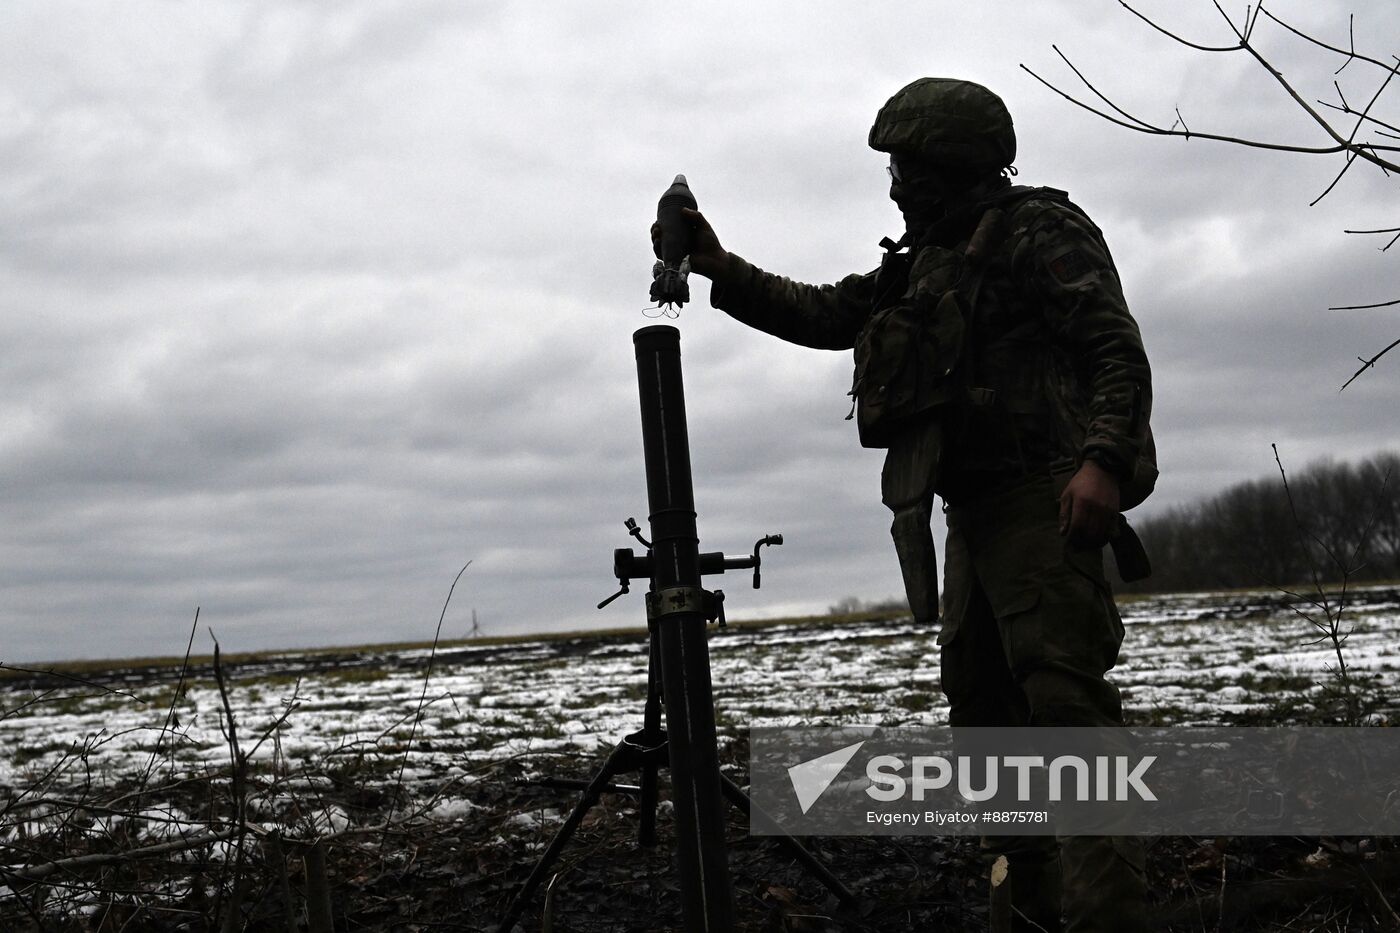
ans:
(1247, 535)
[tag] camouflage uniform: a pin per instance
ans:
(1054, 372)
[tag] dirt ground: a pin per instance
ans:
(458, 872)
(606, 882)
(394, 862)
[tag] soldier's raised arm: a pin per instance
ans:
(827, 317)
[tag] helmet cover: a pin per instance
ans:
(946, 121)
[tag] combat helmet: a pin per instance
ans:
(949, 122)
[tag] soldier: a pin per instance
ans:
(997, 361)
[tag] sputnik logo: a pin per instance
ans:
(811, 778)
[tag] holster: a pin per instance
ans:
(1128, 553)
(906, 486)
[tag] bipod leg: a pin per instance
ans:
(648, 748)
(618, 762)
(651, 725)
(646, 807)
(736, 796)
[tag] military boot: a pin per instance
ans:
(1104, 883)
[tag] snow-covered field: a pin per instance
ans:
(1186, 659)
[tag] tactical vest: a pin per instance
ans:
(920, 355)
(908, 353)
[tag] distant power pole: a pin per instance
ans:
(476, 628)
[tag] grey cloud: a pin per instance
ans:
(306, 306)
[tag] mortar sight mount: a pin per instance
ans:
(629, 566)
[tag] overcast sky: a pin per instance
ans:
(305, 305)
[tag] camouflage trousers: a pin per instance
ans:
(1029, 631)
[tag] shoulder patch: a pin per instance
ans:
(1069, 267)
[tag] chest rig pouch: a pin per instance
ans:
(907, 354)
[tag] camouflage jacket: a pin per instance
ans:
(1050, 336)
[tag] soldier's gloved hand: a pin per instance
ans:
(1089, 506)
(707, 258)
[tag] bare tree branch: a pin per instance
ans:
(1349, 142)
(170, 717)
(1351, 160)
(1367, 364)
(1342, 143)
(427, 675)
(1351, 54)
(1364, 115)
(1326, 127)
(72, 678)
(1379, 304)
(78, 862)
(1174, 37)
(1387, 246)
(1346, 108)
(1393, 240)
(1142, 126)
(1096, 93)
